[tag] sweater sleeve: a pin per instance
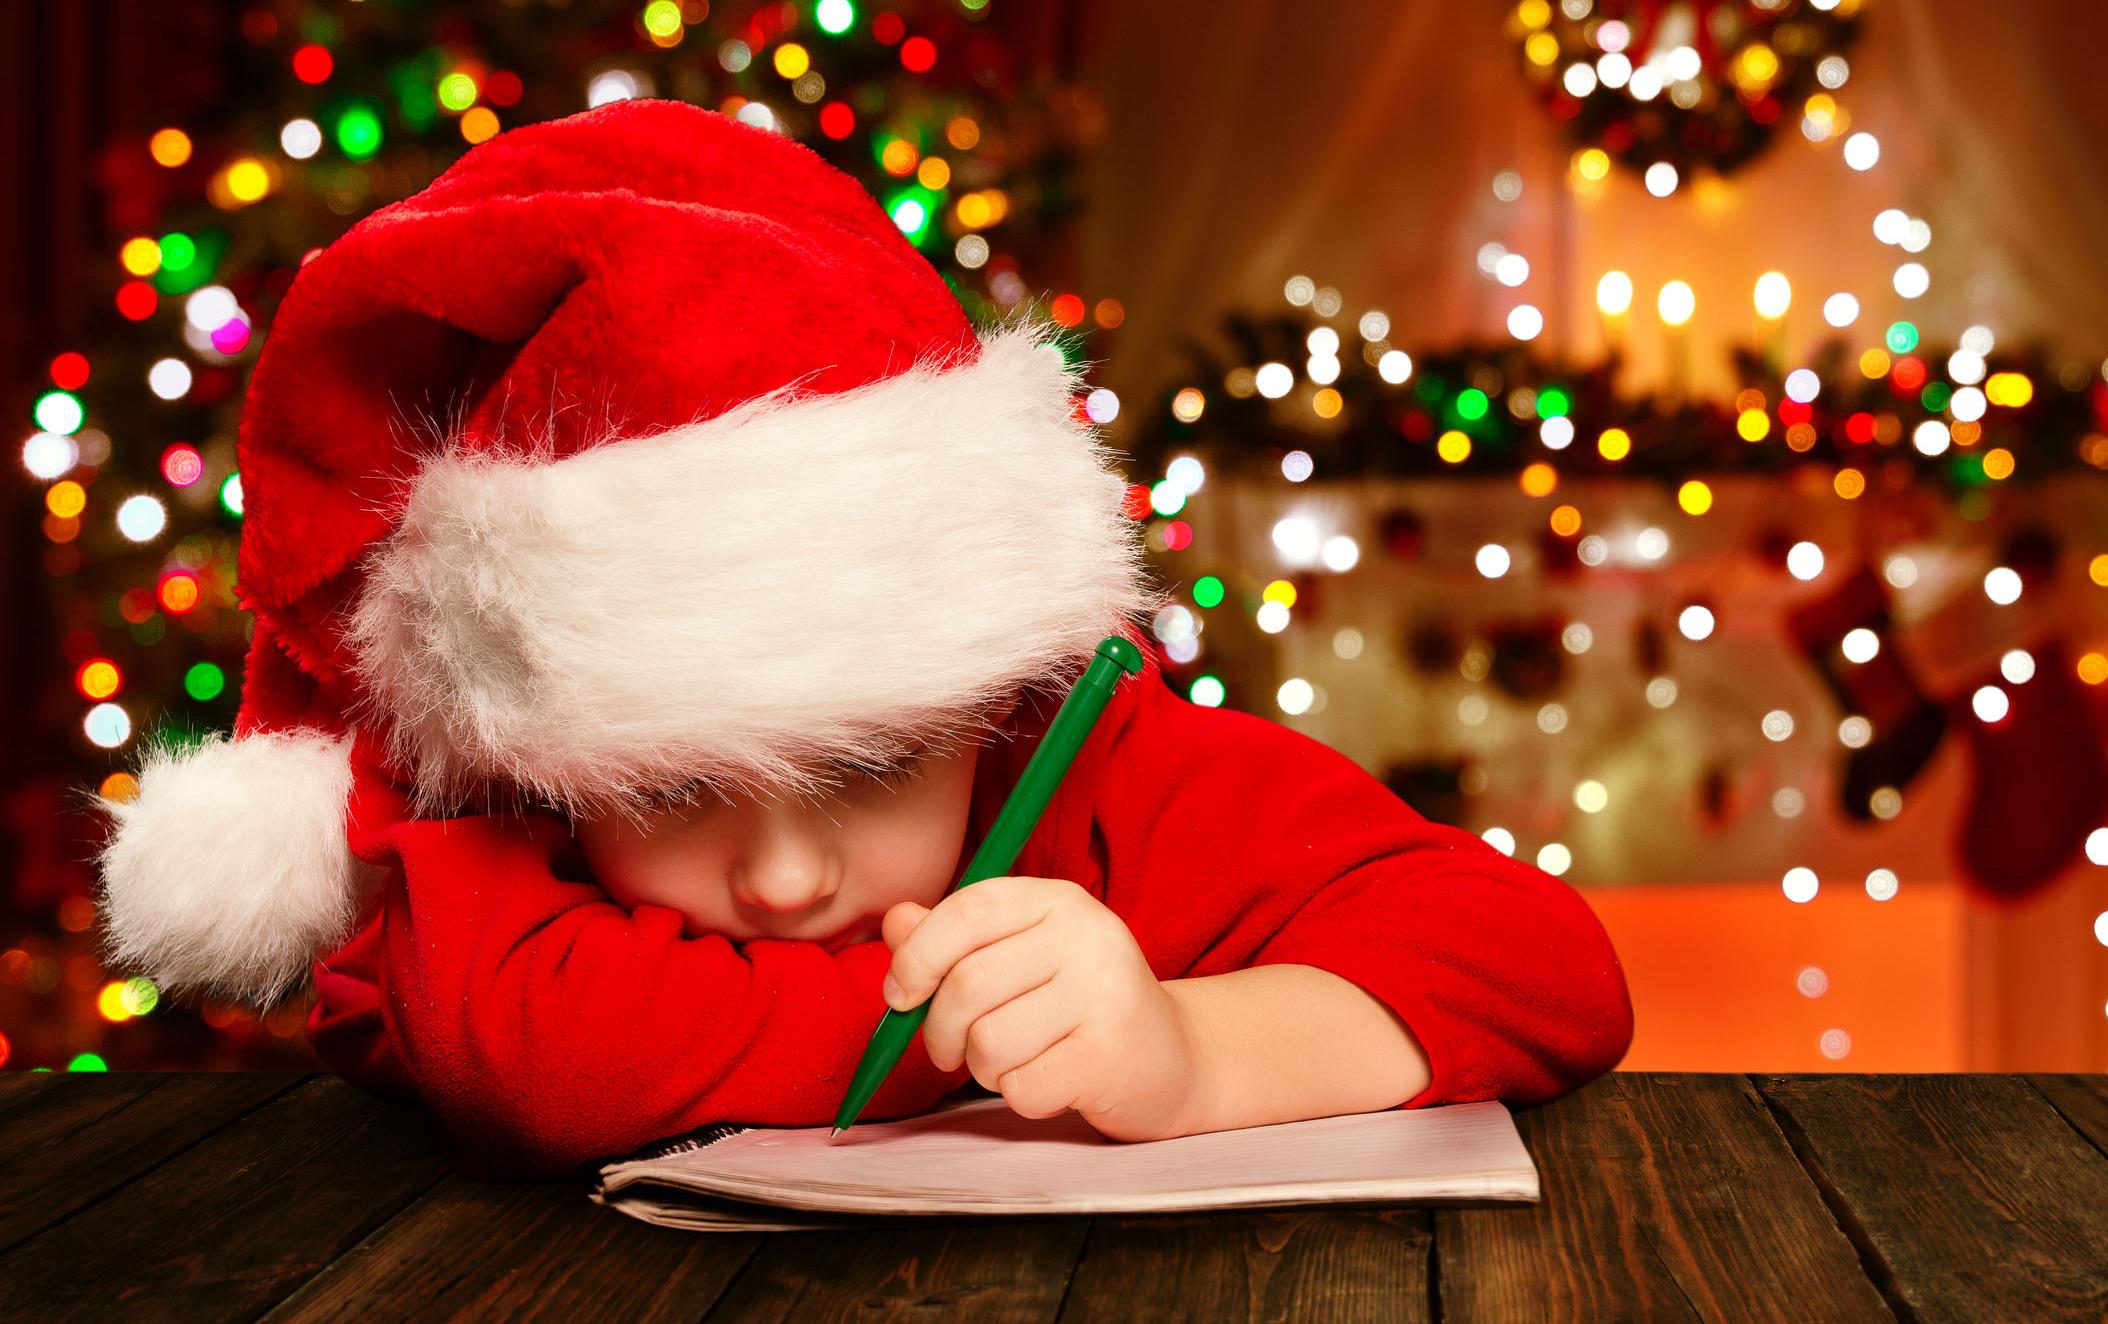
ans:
(545, 1027)
(1232, 841)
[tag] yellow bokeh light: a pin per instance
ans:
(141, 257)
(66, 499)
(1695, 497)
(1326, 403)
(1800, 438)
(1966, 434)
(122, 787)
(1187, 405)
(973, 211)
(1566, 521)
(2093, 668)
(899, 157)
(934, 172)
(1759, 64)
(1541, 49)
(247, 180)
(2097, 569)
(792, 60)
(1998, 463)
(1849, 483)
(480, 124)
(169, 147)
(1280, 591)
(110, 1002)
(1614, 444)
(1533, 13)
(99, 680)
(962, 133)
(1539, 479)
(2011, 389)
(1592, 163)
(1453, 446)
(1753, 424)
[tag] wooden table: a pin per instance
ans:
(180, 1196)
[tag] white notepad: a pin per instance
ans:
(975, 1156)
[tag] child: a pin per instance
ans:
(606, 754)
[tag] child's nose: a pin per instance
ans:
(784, 875)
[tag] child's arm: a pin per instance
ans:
(546, 1027)
(1232, 842)
(1278, 1043)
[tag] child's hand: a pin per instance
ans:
(1046, 996)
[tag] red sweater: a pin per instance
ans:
(546, 1027)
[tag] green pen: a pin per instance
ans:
(999, 849)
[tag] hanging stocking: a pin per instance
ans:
(2041, 779)
(1907, 726)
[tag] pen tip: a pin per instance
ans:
(832, 1134)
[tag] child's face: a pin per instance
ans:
(821, 870)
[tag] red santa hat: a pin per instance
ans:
(638, 448)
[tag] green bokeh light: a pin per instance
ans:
(1472, 404)
(457, 91)
(204, 682)
(1902, 337)
(359, 132)
(1207, 592)
(1552, 402)
(178, 251)
(87, 1062)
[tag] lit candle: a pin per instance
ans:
(1676, 304)
(1774, 294)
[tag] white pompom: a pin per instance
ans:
(229, 872)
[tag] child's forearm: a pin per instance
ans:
(1279, 1043)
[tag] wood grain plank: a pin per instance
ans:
(69, 1145)
(229, 1226)
(1976, 1199)
(1335, 1262)
(1665, 1197)
(999, 1270)
(2083, 1100)
(487, 1250)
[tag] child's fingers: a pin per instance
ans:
(1049, 1084)
(1020, 1030)
(983, 980)
(974, 916)
(900, 920)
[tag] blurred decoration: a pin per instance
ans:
(1674, 87)
(1872, 418)
(1657, 619)
(331, 111)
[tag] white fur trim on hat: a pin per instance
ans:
(229, 872)
(803, 579)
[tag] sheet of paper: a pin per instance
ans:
(977, 1154)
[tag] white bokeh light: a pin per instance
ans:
(2017, 666)
(2002, 585)
(1862, 151)
(1695, 622)
(1841, 309)
(1861, 645)
(1990, 704)
(1492, 560)
(1800, 885)
(1804, 560)
(141, 518)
